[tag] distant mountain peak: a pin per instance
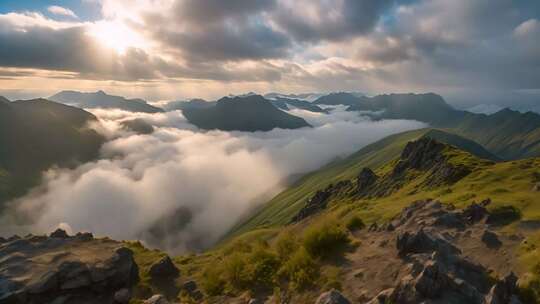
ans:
(100, 99)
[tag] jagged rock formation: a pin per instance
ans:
(424, 155)
(430, 264)
(320, 200)
(65, 269)
(365, 179)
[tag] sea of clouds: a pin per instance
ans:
(180, 188)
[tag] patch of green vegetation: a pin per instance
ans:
(355, 223)
(144, 258)
(325, 239)
(301, 270)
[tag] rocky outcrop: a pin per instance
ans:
(40, 269)
(504, 291)
(164, 268)
(320, 200)
(426, 154)
(365, 179)
(435, 270)
(491, 239)
(420, 242)
(332, 297)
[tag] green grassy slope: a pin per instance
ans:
(508, 134)
(285, 205)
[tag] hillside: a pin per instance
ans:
(102, 100)
(287, 104)
(507, 134)
(250, 113)
(282, 208)
(360, 103)
(431, 208)
(36, 134)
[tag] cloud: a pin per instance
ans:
(62, 11)
(449, 47)
(181, 189)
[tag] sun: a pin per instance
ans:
(117, 36)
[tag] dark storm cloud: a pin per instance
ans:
(328, 20)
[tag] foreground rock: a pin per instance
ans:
(430, 266)
(64, 269)
(332, 297)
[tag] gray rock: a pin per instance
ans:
(46, 283)
(332, 297)
(491, 239)
(164, 268)
(157, 299)
(189, 286)
(503, 291)
(84, 236)
(59, 233)
(122, 296)
(421, 242)
(365, 179)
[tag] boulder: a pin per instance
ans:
(163, 268)
(432, 281)
(156, 299)
(84, 236)
(59, 233)
(421, 242)
(365, 179)
(332, 297)
(503, 291)
(189, 286)
(491, 239)
(475, 212)
(122, 296)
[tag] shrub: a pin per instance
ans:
(355, 223)
(256, 269)
(286, 244)
(234, 271)
(325, 240)
(262, 268)
(212, 282)
(301, 270)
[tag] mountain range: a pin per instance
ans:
(100, 99)
(444, 214)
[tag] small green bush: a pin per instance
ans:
(212, 282)
(325, 240)
(262, 268)
(503, 215)
(286, 244)
(355, 223)
(234, 271)
(301, 270)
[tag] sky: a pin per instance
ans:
(472, 52)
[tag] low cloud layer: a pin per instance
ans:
(179, 188)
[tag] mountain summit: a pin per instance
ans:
(101, 99)
(249, 113)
